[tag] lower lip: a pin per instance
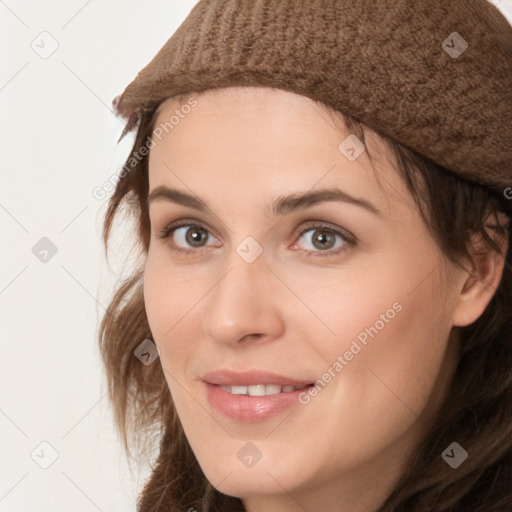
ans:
(250, 408)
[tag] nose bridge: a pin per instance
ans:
(243, 301)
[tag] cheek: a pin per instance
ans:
(167, 303)
(406, 355)
(158, 300)
(391, 317)
(403, 359)
(392, 339)
(173, 298)
(168, 296)
(395, 377)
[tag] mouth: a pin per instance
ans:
(254, 382)
(252, 396)
(262, 389)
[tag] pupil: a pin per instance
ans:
(195, 235)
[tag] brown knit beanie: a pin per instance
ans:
(434, 75)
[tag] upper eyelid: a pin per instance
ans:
(171, 227)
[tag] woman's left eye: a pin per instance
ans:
(324, 241)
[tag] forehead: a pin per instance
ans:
(277, 117)
(260, 133)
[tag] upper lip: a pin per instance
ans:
(225, 377)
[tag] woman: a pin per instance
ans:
(321, 317)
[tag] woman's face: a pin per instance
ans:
(344, 288)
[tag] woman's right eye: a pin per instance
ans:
(187, 238)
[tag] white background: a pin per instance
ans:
(58, 141)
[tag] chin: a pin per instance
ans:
(244, 482)
(246, 485)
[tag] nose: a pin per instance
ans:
(244, 305)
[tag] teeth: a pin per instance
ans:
(260, 389)
(272, 389)
(239, 390)
(257, 390)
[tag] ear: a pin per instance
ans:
(478, 286)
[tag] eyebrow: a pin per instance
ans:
(281, 206)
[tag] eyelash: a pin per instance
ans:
(349, 241)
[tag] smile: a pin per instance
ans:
(261, 389)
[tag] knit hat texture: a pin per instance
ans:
(434, 75)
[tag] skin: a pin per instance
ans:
(293, 313)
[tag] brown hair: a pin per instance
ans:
(477, 410)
